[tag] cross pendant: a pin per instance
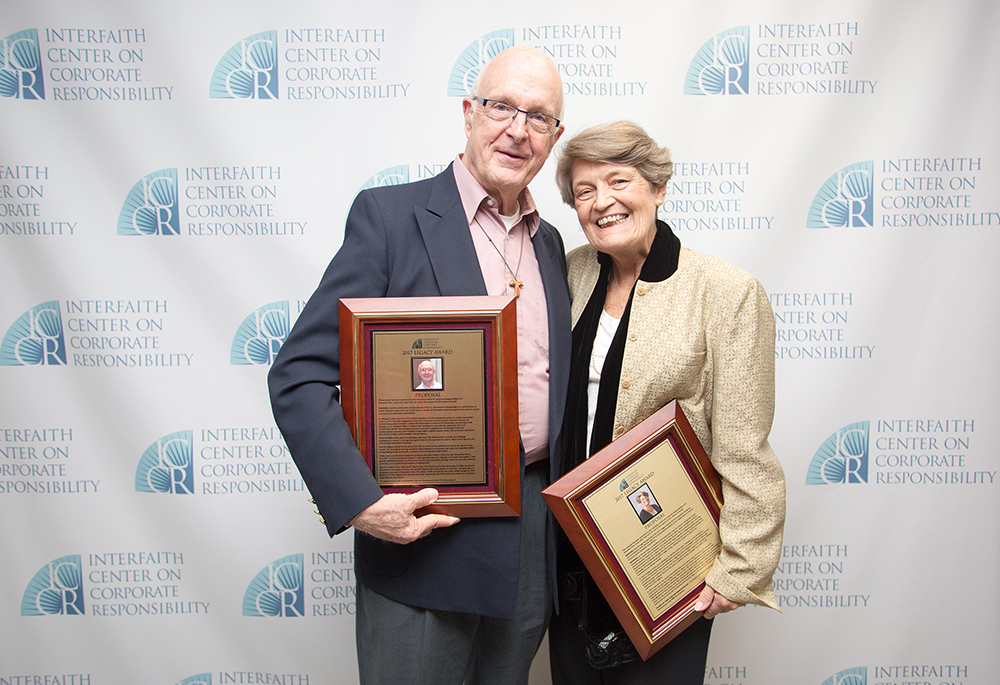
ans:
(517, 286)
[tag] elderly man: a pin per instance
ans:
(426, 370)
(442, 600)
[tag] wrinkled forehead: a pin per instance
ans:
(529, 83)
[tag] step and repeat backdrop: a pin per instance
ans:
(174, 178)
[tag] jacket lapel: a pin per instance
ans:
(445, 231)
(551, 264)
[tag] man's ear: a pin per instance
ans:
(556, 136)
(468, 113)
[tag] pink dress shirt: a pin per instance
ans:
(486, 227)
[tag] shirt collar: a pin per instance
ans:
(475, 196)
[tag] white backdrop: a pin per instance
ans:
(161, 226)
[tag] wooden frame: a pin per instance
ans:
(649, 564)
(460, 436)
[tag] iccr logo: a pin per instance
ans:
(57, 589)
(850, 676)
(21, 66)
(200, 679)
(261, 335)
(474, 57)
(277, 590)
(842, 458)
(151, 206)
(167, 466)
(846, 200)
(35, 339)
(392, 176)
(722, 65)
(249, 70)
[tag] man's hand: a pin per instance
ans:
(713, 604)
(392, 519)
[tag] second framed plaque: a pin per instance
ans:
(643, 514)
(429, 390)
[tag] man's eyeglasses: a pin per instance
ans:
(501, 111)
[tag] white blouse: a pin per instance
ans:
(606, 330)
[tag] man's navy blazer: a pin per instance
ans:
(408, 240)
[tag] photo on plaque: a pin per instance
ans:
(427, 373)
(430, 395)
(643, 514)
(644, 504)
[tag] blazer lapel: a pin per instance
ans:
(445, 231)
(551, 262)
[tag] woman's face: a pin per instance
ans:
(616, 207)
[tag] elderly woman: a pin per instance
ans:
(648, 509)
(653, 322)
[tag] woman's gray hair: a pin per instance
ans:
(619, 142)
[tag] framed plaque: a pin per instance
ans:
(429, 390)
(643, 514)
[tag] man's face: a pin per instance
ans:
(426, 371)
(505, 155)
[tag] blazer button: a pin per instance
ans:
(640, 290)
(633, 336)
(626, 384)
(619, 430)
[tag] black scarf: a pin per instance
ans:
(607, 643)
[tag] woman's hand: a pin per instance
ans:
(713, 603)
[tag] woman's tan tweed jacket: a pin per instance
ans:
(705, 337)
